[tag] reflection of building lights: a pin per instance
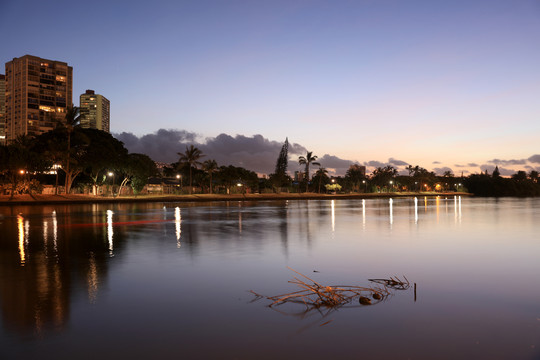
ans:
(45, 232)
(20, 227)
(55, 232)
(177, 223)
(110, 229)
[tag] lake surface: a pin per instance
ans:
(172, 280)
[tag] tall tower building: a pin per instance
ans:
(95, 111)
(2, 109)
(38, 92)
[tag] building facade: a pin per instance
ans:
(38, 92)
(95, 111)
(2, 109)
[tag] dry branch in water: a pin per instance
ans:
(316, 296)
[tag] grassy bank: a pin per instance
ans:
(87, 199)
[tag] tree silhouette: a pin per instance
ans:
(72, 120)
(210, 166)
(191, 158)
(280, 173)
(307, 160)
(320, 175)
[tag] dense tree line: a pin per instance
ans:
(76, 156)
(72, 156)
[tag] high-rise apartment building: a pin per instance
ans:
(95, 111)
(2, 109)
(38, 92)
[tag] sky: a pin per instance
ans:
(446, 85)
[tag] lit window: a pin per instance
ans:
(46, 108)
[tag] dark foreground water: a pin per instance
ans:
(171, 280)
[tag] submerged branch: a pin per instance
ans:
(315, 296)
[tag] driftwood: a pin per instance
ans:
(315, 296)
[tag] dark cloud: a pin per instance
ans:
(254, 153)
(374, 163)
(459, 165)
(396, 162)
(436, 162)
(502, 171)
(391, 161)
(160, 146)
(442, 170)
(534, 159)
(507, 162)
(472, 165)
(338, 165)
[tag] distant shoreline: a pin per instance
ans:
(90, 199)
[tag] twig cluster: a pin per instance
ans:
(316, 296)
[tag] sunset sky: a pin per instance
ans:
(440, 84)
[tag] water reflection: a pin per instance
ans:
(177, 226)
(363, 214)
(332, 204)
(391, 204)
(225, 249)
(110, 231)
(35, 294)
(416, 210)
(22, 252)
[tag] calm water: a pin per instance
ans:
(172, 279)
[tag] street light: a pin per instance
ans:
(179, 177)
(241, 187)
(111, 174)
(365, 185)
(392, 187)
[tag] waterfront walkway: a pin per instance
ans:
(87, 199)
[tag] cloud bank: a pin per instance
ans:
(260, 154)
(255, 152)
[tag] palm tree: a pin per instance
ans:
(72, 119)
(410, 169)
(321, 173)
(308, 159)
(210, 166)
(191, 158)
(533, 175)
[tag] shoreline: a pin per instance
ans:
(28, 199)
